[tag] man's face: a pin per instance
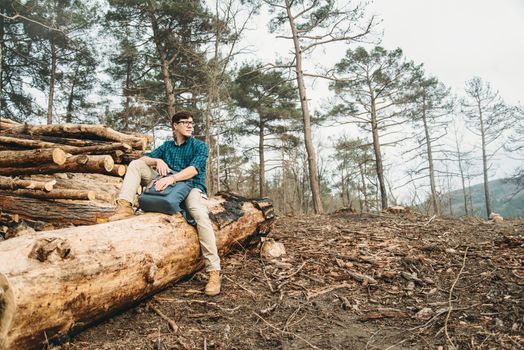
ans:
(184, 127)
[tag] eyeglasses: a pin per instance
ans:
(186, 123)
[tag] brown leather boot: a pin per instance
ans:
(213, 284)
(124, 209)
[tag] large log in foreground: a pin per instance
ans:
(65, 280)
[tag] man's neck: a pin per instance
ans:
(180, 139)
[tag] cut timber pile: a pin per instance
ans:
(57, 282)
(61, 174)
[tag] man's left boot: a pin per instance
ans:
(213, 284)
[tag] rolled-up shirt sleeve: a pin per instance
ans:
(200, 157)
(157, 152)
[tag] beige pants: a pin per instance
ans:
(139, 173)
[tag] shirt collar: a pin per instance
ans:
(185, 142)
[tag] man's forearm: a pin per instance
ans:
(185, 174)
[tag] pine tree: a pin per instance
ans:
(268, 100)
(372, 88)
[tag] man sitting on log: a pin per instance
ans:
(187, 157)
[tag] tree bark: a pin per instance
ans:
(32, 157)
(261, 160)
(58, 282)
(311, 154)
(56, 211)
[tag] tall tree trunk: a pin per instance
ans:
(343, 187)
(378, 156)
(69, 113)
(210, 182)
(52, 78)
(164, 63)
(470, 197)
(311, 155)
(484, 162)
(261, 160)
(283, 184)
(429, 151)
(461, 170)
(2, 43)
(127, 89)
(364, 192)
(450, 197)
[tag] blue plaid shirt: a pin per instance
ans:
(192, 152)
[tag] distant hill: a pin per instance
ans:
(503, 199)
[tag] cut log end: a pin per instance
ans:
(59, 156)
(119, 170)
(108, 163)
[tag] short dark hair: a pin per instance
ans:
(178, 116)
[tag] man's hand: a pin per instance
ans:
(161, 167)
(164, 182)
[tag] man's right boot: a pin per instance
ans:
(124, 209)
(213, 283)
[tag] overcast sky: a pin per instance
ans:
(455, 39)
(458, 39)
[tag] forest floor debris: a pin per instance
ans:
(347, 281)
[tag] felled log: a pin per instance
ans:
(128, 157)
(99, 149)
(57, 194)
(7, 183)
(75, 164)
(102, 148)
(85, 181)
(16, 142)
(56, 211)
(82, 131)
(51, 140)
(58, 282)
(6, 124)
(32, 157)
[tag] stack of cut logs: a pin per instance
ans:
(56, 175)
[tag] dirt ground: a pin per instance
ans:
(348, 281)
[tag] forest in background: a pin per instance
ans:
(132, 64)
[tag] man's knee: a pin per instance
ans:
(200, 214)
(137, 164)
